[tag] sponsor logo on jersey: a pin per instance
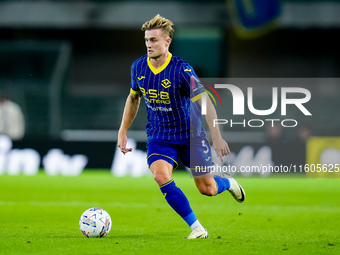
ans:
(166, 83)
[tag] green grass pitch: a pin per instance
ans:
(40, 214)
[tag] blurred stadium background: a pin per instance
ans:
(67, 64)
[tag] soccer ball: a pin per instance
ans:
(95, 222)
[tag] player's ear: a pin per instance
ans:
(168, 41)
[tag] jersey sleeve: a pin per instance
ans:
(134, 89)
(192, 83)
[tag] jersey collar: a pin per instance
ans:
(162, 67)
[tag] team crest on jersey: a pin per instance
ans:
(166, 83)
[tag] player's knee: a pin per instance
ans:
(161, 178)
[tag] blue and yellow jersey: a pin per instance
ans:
(168, 96)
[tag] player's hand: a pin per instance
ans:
(221, 147)
(121, 143)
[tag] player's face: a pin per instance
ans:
(157, 43)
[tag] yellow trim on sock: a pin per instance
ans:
(164, 184)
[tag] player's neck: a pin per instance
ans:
(158, 62)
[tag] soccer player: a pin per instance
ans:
(172, 94)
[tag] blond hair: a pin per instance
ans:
(159, 22)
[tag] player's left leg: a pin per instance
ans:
(213, 185)
(206, 184)
(197, 156)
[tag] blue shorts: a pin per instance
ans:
(194, 153)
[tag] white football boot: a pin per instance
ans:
(236, 189)
(198, 233)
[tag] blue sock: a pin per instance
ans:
(222, 184)
(178, 201)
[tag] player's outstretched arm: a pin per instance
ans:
(130, 112)
(220, 145)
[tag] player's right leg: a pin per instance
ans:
(161, 160)
(176, 198)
